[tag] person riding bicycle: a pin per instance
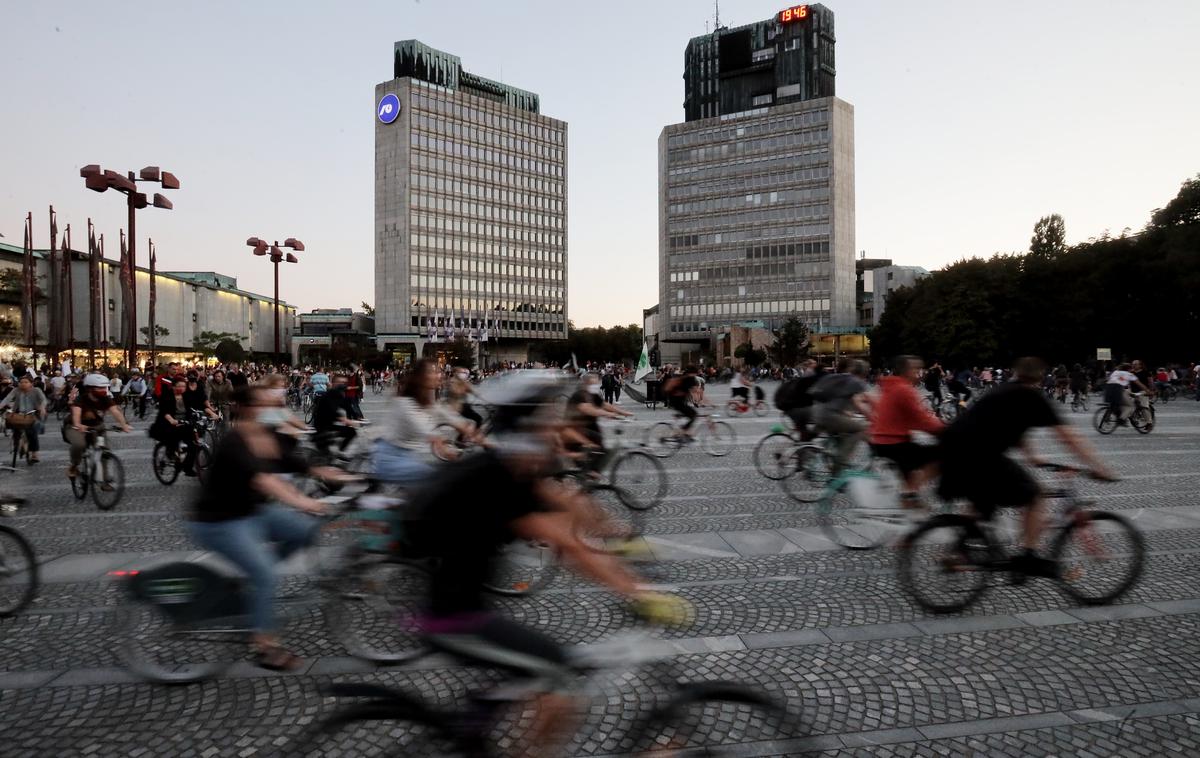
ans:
(171, 426)
(458, 396)
(247, 504)
(898, 412)
(680, 392)
(585, 409)
(318, 382)
(28, 403)
(842, 407)
(87, 416)
(472, 510)
(739, 388)
(1077, 383)
(933, 381)
(136, 391)
(408, 446)
(195, 397)
(1117, 389)
(960, 385)
(975, 466)
(793, 399)
(220, 392)
(333, 417)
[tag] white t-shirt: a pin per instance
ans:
(736, 382)
(1123, 378)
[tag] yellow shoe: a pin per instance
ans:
(663, 609)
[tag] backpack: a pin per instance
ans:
(671, 388)
(788, 395)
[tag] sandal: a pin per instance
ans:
(275, 658)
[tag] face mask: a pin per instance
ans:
(272, 417)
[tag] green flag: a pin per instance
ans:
(643, 366)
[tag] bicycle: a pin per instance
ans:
(945, 563)
(19, 577)
(860, 508)
(19, 422)
(812, 465)
(406, 725)
(1079, 402)
(743, 406)
(716, 437)
(167, 458)
(1141, 418)
(100, 471)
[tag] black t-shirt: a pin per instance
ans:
(1144, 377)
(1079, 380)
(237, 379)
(584, 396)
(227, 493)
(933, 378)
(329, 410)
(998, 422)
(193, 400)
(466, 514)
(92, 408)
(168, 406)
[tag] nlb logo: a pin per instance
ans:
(389, 109)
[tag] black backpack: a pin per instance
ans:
(794, 393)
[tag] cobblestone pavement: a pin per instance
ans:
(862, 669)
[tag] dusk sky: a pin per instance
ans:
(972, 120)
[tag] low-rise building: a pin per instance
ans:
(865, 287)
(889, 278)
(325, 333)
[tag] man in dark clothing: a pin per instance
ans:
(933, 381)
(680, 391)
(332, 417)
(235, 377)
(975, 467)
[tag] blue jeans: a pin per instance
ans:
(243, 542)
(398, 465)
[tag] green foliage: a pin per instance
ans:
(460, 352)
(1139, 296)
(206, 344)
(791, 342)
(1049, 238)
(368, 309)
(159, 331)
(618, 344)
(751, 355)
(230, 351)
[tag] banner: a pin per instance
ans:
(643, 366)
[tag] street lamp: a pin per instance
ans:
(277, 256)
(101, 181)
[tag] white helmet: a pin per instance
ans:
(95, 380)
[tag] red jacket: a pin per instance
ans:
(899, 412)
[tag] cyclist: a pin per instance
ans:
(467, 514)
(58, 384)
(975, 467)
(458, 396)
(24, 400)
(115, 385)
(195, 397)
(739, 388)
(136, 390)
(898, 412)
(406, 449)
(933, 382)
(585, 409)
(1078, 383)
(319, 382)
(840, 398)
(793, 398)
(171, 426)
(680, 392)
(219, 391)
(87, 416)
(1116, 391)
(241, 509)
(333, 415)
(960, 385)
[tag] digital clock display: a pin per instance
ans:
(795, 13)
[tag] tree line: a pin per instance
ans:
(1137, 294)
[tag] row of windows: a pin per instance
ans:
(486, 137)
(493, 326)
(757, 233)
(443, 204)
(752, 307)
(526, 125)
(763, 216)
(491, 269)
(788, 123)
(743, 183)
(816, 274)
(749, 201)
(438, 247)
(756, 164)
(485, 155)
(447, 166)
(819, 136)
(435, 301)
(485, 192)
(419, 221)
(428, 282)
(809, 250)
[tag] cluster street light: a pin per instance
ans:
(101, 181)
(277, 256)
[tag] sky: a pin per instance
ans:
(972, 120)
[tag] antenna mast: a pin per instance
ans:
(716, 15)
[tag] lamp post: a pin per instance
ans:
(102, 181)
(277, 256)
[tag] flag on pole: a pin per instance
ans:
(643, 366)
(574, 363)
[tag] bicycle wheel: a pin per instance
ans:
(812, 467)
(1142, 420)
(761, 408)
(391, 723)
(166, 467)
(663, 439)
(948, 410)
(861, 510)
(203, 461)
(522, 567)
(608, 521)
(774, 456)
(18, 571)
(82, 480)
(944, 564)
(372, 603)
(712, 718)
(153, 645)
(1104, 420)
(1100, 557)
(109, 484)
(639, 479)
(719, 439)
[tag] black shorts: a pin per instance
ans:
(742, 392)
(988, 483)
(908, 456)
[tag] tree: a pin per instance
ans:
(750, 354)
(460, 352)
(1184, 209)
(791, 342)
(368, 309)
(230, 351)
(206, 344)
(159, 331)
(1049, 237)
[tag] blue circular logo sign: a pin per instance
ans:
(389, 109)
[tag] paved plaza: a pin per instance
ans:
(864, 671)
